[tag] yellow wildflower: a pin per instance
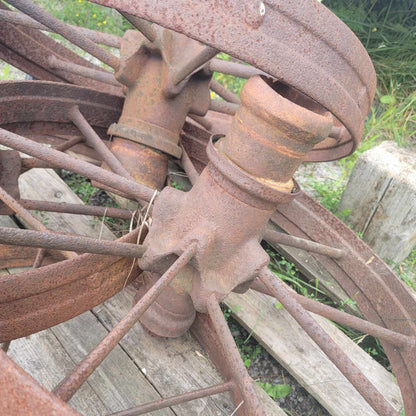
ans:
(105, 22)
(94, 15)
(99, 24)
(375, 29)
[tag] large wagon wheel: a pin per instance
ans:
(325, 88)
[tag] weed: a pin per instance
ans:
(275, 391)
(288, 272)
(80, 185)
(329, 194)
(176, 185)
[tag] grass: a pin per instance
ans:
(386, 29)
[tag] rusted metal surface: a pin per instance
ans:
(79, 244)
(22, 395)
(40, 298)
(280, 133)
(238, 370)
(10, 167)
(394, 338)
(30, 101)
(59, 159)
(302, 44)
(91, 73)
(13, 256)
(289, 240)
(68, 208)
(26, 216)
(381, 296)
(204, 331)
(152, 118)
(94, 140)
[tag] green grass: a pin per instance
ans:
(386, 29)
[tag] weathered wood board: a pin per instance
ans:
(286, 341)
(381, 198)
(47, 185)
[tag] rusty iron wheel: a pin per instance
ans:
(54, 113)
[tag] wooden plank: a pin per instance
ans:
(173, 365)
(44, 358)
(286, 341)
(117, 381)
(45, 184)
(381, 198)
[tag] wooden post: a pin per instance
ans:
(381, 199)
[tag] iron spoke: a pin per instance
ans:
(67, 31)
(292, 241)
(234, 68)
(26, 216)
(142, 25)
(80, 209)
(328, 346)
(238, 371)
(73, 381)
(175, 400)
(84, 71)
(39, 256)
(223, 107)
(223, 92)
(189, 167)
(95, 142)
(56, 241)
(64, 161)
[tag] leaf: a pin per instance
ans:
(276, 391)
(279, 306)
(388, 99)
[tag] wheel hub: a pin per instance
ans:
(237, 187)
